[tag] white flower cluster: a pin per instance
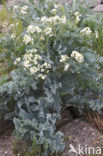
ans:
(63, 20)
(27, 39)
(32, 29)
(13, 36)
(63, 58)
(86, 31)
(48, 31)
(66, 67)
(42, 38)
(17, 61)
(54, 11)
(54, 20)
(44, 69)
(77, 15)
(5, 24)
(33, 62)
(11, 25)
(78, 57)
(31, 51)
(23, 10)
(30, 59)
(16, 7)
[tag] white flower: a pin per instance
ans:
(17, 24)
(63, 58)
(5, 24)
(28, 57)
(96, 34)
(27, 39)
(77, 14)
(66, 67)
(42, 38)
(48, 31)
(32, 29)
(26, 63)
(11, 25)
(23, 10)
(38, 57)
(47, 65)
(13, 36)
(33, 70)
(77, 19)
(54, 11)
(86, 31)
(42, 76)
(63, 19)
(78, 57)
(31, 51)
(38, 29)
(32, 61)
(54, 20)
(44, 19)
(17, 61)
(15, 7)
(42, 70)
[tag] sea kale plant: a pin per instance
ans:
(55, 67)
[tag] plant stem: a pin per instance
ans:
(74, 3)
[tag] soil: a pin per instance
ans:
(6, 143)
(81, 133)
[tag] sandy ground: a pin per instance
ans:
(80, 133)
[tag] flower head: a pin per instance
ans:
(54, 11)
(27, 39)
(44, 19)
(17, 61)
(15, 7)
(77, 16)
(32, 29)
(63, 19)
(23, 10)
(66, 67)
(78, 57)
(86, 31)
(48, 31)
(13, 36)
(63, 58)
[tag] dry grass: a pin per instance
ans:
(95, 119)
